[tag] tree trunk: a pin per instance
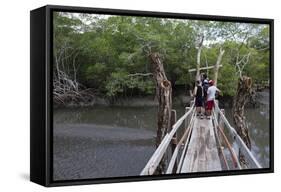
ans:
(217, 65)
(199, 50)
(244, 91)
(164, 96)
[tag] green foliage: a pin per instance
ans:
(115, 84)
(110, 49)
(120, 81)
(227, 80)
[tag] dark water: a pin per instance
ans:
(118, 141)
(102, 141)
(259, 128)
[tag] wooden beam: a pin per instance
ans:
(187, 120)
(203, 68)
(175, 139)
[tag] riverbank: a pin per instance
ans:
(151, 101)
(144, 101)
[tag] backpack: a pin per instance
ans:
(205, 88)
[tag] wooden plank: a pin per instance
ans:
(191, 161)
(212, 155)
(220, 147)
(174, 157)
(186, 142)
(202, 154)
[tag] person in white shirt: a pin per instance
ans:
(211, 95)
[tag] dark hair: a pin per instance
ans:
(204, 76)
(197, 82)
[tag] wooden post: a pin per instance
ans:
(189, 116)
(164, 96)
(174, 141)
(221, 125)
(216, 110)
(187, 119)
(191, 103)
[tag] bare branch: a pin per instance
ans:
(241, 63)
(199, 48)
(140, 74)
(216, 68)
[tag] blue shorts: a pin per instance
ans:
(199, 101)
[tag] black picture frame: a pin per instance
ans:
(41, 112)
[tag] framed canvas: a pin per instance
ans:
(126, 95)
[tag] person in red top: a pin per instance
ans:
(211, 95)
